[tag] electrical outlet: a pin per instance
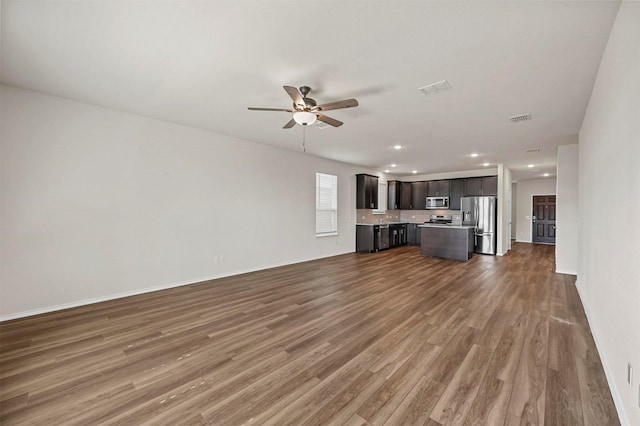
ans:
(630, 374)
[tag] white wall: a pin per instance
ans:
(504, 210)
(489, 171)
(567, 210)
(526, 190)
(514, 210)
(97, 203)
(609, 250)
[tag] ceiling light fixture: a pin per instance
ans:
(393, 165)
(397, 147)
(304, 118)
(386, 171)
(486, 164)
(414, 172)
(546, 175)
(530, 165)
(474, 154)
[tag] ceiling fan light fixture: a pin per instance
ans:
(304, 118)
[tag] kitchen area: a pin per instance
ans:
(447, 218)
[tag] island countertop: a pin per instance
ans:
(447, 241)
(437, 225)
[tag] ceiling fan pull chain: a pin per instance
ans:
(304, 139)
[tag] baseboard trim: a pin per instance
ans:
(85, 302)
(559, 271)
(617, 400)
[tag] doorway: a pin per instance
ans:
(544, 219)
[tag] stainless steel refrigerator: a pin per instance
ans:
(481, 213)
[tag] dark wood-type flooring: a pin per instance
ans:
(390, 338)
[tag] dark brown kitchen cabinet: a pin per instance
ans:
(490, 185)
(399, 194)
(413, 234)
(456, 192)
(438, 188)
(366, 191)
(405, 196)
(372, 238)
(419, 195)
(397, 235)
(473, 187)
(487, 185)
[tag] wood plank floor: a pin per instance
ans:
(391, 338)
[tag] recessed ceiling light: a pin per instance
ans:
(530, 165)
(474, 154)
(393, 165)
(486, 164)
(386, 171)
(397, 147)
(546, 175)
(414, 172)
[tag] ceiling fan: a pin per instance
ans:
(306, 111)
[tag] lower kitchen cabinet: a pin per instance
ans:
(397, 235)
(413, 234)
(372, 238)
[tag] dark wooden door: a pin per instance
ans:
(544, 219)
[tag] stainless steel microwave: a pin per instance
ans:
(441, 203)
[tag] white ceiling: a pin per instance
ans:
(202, 63)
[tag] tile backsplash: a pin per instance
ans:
(367, 216)
(411, 216)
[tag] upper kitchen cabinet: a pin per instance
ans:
(405, 195)
(456, 191)
(490, 185)
(438, 188)
(366, 191)
(473, 187)
(419, 195)
(487, 185)
(399, 195)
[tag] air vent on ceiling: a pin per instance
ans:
(432, 89)
(520, 118)
(531, 151)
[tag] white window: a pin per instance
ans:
(382, 199)
(326, 204)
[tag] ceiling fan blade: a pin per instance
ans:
(269, 109)
(295, 95)
(331, 121)
(346, 103)
(289, 124)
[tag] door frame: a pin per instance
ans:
(531, 215)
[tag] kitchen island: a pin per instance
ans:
(447, 241)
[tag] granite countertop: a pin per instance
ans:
(383, 223)
(435, 225)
